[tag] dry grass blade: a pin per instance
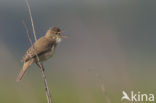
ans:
(102, 87)
(27, 32)
(32, 23)
(49, 98)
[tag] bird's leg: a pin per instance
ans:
(40, 65)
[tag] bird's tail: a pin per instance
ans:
(24, 69)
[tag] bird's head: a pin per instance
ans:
(54, 33)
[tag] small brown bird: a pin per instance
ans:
(43, 47)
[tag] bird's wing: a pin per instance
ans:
(39, 47)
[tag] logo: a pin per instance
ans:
(138, 96)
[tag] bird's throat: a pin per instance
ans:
(58, 40)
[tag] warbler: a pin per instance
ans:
(44, 47)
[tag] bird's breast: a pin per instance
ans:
(47, 54)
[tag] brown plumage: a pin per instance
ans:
(43, 47)
(24, 69)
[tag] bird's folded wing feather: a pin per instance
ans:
(40, 46)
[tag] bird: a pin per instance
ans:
(44, 47)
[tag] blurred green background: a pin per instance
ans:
(111, 46)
